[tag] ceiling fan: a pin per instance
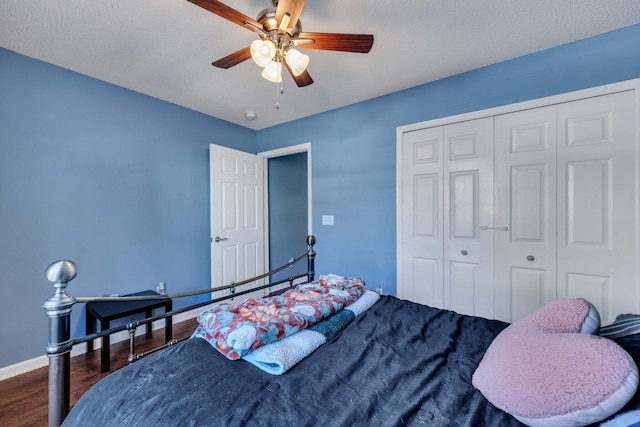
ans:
(280, 30)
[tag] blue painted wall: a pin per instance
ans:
(118, 181)
(354, 148)
(112, 179)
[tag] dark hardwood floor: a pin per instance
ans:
(23, 399)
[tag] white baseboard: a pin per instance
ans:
(23, 367)
(42, 361)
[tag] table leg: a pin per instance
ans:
(105, 358)
(149, 325)
(168, 322)
(90, 327)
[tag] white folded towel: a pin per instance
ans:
(278, 357)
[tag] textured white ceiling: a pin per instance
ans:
(164, 48)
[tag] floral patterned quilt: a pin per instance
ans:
(235, 330)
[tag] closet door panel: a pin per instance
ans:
(528, 202)
(464, 205)
(529, 294)
(525, 233)
(421, 207)
(588, 202)
(597, 224)
(465, 289)
(468, 203)
(593, 288)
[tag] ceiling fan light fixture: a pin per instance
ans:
(297, 61)
(273, 72)
(263, 51)
(279, 29)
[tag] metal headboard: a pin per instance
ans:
(59, 308)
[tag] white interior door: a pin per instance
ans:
(468, 205)
(597, 223)
(420, 204)
(525, 236)
(237, 216)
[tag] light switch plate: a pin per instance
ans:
(327, 219)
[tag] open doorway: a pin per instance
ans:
(287, 207)
(287, 212)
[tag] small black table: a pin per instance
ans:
(106, 311)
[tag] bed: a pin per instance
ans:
(394, 363)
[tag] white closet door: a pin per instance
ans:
(525, 219)
(468, 204)
(421, 195)
(597, 224)
(557, 216)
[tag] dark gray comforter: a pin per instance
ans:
(400, 363)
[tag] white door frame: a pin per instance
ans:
(280, 152)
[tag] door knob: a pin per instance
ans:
(464, 253)
(220, 239)
(530, 258)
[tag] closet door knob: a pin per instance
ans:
(530, 258)
(464, 253)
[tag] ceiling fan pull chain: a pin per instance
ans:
(280, 90)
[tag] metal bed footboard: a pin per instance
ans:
(59, 307)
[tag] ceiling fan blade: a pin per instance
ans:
(226, 12)
(303, 79)
(292, 7)
(234, 59)
(358, 43)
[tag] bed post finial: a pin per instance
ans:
(311, 256)
(58, 309)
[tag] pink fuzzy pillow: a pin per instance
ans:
(547, 370)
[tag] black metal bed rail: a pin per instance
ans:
(134, 324)
(58, 309)
(231, 286)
